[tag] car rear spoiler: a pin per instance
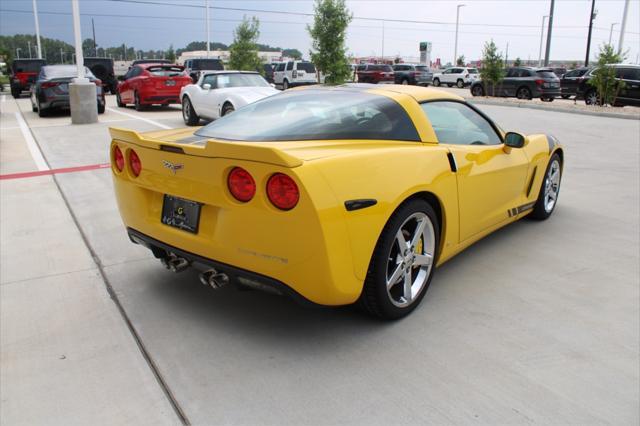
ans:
(253, 151)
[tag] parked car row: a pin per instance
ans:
(543, 83)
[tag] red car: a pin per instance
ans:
(375, 73)
(24, 73)
(149, 84)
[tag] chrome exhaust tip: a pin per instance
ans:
(214, 279)
(174, 263)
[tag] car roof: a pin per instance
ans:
(420, 94)
(157, 64)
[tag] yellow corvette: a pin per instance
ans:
(332, 195)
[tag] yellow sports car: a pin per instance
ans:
(332, 195)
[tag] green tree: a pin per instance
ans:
(328, 33)
(243, 52)
(574, 65)
(171, 54)
(492, 71)
(460, 61)
(88, 48)
(517, 62)
(603, 78)
(292, 53)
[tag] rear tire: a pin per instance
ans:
(42, 112)
(101, 108)
(460, 84)
(227, 109)
(436, 82)
(591, 97)
(285, 85)
(188, 113)
(15, 92)
(549, 191)
(408, 270)
(119, 101)
(138, 105)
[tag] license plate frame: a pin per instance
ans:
(170, 82)
(180, 213)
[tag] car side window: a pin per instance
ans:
(571, 74)
(458, 124)
(136, 71)
(210, 79)
(289, 66)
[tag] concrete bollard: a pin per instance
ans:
(83, 102)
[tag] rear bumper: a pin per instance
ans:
(544, 92)
(236, 275)
(62, 102)
(160, 99)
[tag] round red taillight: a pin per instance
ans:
(241, 184)
(135, 163)
(118, 158)
(283, 191)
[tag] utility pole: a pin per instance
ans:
(383, 41)
(549, 29)
(455, 46)
(208, 29)
(623, 27)
(593, 16)
(35, 15)
(541, 40)
(61, 56)
(506, 56)
(93, 28)
(611, 32)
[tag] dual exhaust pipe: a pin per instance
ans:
(210, 277)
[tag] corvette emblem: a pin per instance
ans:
(173, 167)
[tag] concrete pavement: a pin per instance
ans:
(538, 323)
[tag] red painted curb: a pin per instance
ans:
(54, 171)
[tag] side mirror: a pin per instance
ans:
(514, 140)
(206, 86)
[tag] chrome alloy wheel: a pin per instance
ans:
(186, 110)
(410, 259)
(552, 186)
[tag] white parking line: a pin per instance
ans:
(34, 149)
(155, 123)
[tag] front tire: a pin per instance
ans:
(188, 113)
(101, 108)
(436, 82)
(42, 112)
(119, 101)
(403, 262)
(548, 197)
(227, 109)
(137, 103)
(477, 90)
(591, 98)
(285, 85)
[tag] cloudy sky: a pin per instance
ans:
(513, 22)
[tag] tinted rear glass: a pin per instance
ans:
(207, 64)
(63, 71)
(27, 66)
(315, 115)
(306, 67)
(165, 71)
(472, 71)
(546, 74)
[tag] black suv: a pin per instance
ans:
(571, 80)
(103, 69)
(412, 74)
(629, 94)
(523, 83)
(194, 67)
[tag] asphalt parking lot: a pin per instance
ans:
(538, 323)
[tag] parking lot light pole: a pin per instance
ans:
(455, 46)
(547, 52)
(208, 28)
(35, 15)
(29, 46)
(611, 32)
(541, 40)
(82, 92)
(593, 16)
(623, 27)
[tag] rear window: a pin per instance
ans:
(207, 64)
(306, 67)
(422, 68)
(315, 115)
(472, 71)
(384, 68)
(27, 66)
(64, 71)
(546, 74)
(164, 71)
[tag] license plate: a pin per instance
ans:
(180, 213)
(170, 82)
